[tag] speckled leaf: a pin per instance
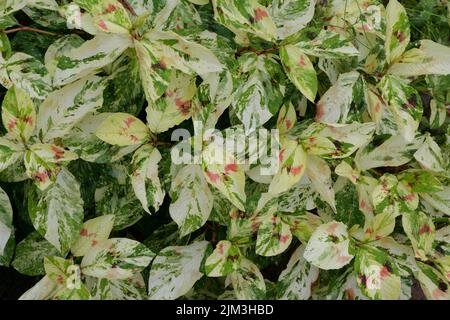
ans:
(328, 247)
(116, 259)
(175, 270)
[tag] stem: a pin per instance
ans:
(127, 6)
(240, 51)
(25, 28)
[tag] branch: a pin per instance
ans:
(25, 28)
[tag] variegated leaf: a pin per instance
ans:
(175, 106)
(92, 232)
(30, 254)
(89, 57)
(397, 30)
(6, 220)
(123, 129)
(295, 282)
(175, 270)
(328, 247)
(66, 107)
(144, 177)
(300, 70)
(420, 230)
(433, 284)
(248, 282)
(245, 17)
(319, 173)
(395, 151)
(291, 16)
(116, 259)
(132, 288)
(192, 200)
(222, 171)
(334, 105)
(26, 73)
(430, 58)
(18, 114)
(57, 213)
(274, 236)
(223, 260)
(109, 15)
(377, 274)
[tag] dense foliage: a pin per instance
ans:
(95, 205)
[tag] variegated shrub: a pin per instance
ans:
(99, 97)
